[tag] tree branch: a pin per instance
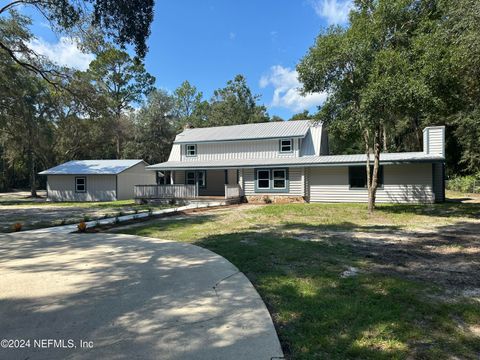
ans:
(17, 2)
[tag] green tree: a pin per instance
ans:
(122, 22)
(122, 81)
(235, 104)
(305, 115)
(188, 103)
(154, 128)
(370, 71)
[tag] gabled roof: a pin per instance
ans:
(91, 167)
(323, 160)
(269, 130)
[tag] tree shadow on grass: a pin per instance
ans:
(447, 209)
(383, 313)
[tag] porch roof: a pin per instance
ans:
(303, 161)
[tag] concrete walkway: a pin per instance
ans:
(127, 297)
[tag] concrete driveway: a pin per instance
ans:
(126, 297)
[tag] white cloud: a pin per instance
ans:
(286, 91)
(64, 53)
(334, 11)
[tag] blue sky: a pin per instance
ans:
(208, 42)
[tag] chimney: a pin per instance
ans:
(434, 140)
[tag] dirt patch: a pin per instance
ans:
(448, 257)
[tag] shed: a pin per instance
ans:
(96, 180)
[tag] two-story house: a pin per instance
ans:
(289, 161)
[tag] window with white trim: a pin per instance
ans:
(81, 184)
(191, 150)
(286, 145)
(279, 179)
(273, 180)
(263, 179)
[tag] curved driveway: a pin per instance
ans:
(128, 296)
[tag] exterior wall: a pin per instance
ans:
(296, 177)
(402, 184)
(256, 149)
(175, 153)
(438, 182)
(179, 177)
(136, 175)
(315, 142)
(215, 185)
(434, 140)
(232, 176)
(99, 188)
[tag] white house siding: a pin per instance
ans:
(296, 183)
(136, 175)
(175, 153)
(255, 149)
(402, 184)
(99, 188)
(434, 140)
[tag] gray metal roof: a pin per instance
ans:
(324, 160)
(276, 129)
(91, 167)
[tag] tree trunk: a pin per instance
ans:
(33, 178)
(372, 174)
(118, 150)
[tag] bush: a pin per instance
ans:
(466, 184)
(17, 227)
(86, 218)
(82, 227)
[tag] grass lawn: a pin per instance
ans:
(395, 308)
(87, 204)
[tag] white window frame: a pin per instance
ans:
(84, 178)
(191, 150)
(268, 179)
(282, 146)
(284, 178)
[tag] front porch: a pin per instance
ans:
(185, 193)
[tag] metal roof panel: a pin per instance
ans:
(91, 167)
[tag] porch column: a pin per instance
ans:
(172, 177)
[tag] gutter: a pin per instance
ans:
(213, 167)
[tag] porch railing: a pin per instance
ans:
(232, 191)
(178, 191)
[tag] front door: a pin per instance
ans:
(197, 177)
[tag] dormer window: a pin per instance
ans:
(191, 150)
(286, 145)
